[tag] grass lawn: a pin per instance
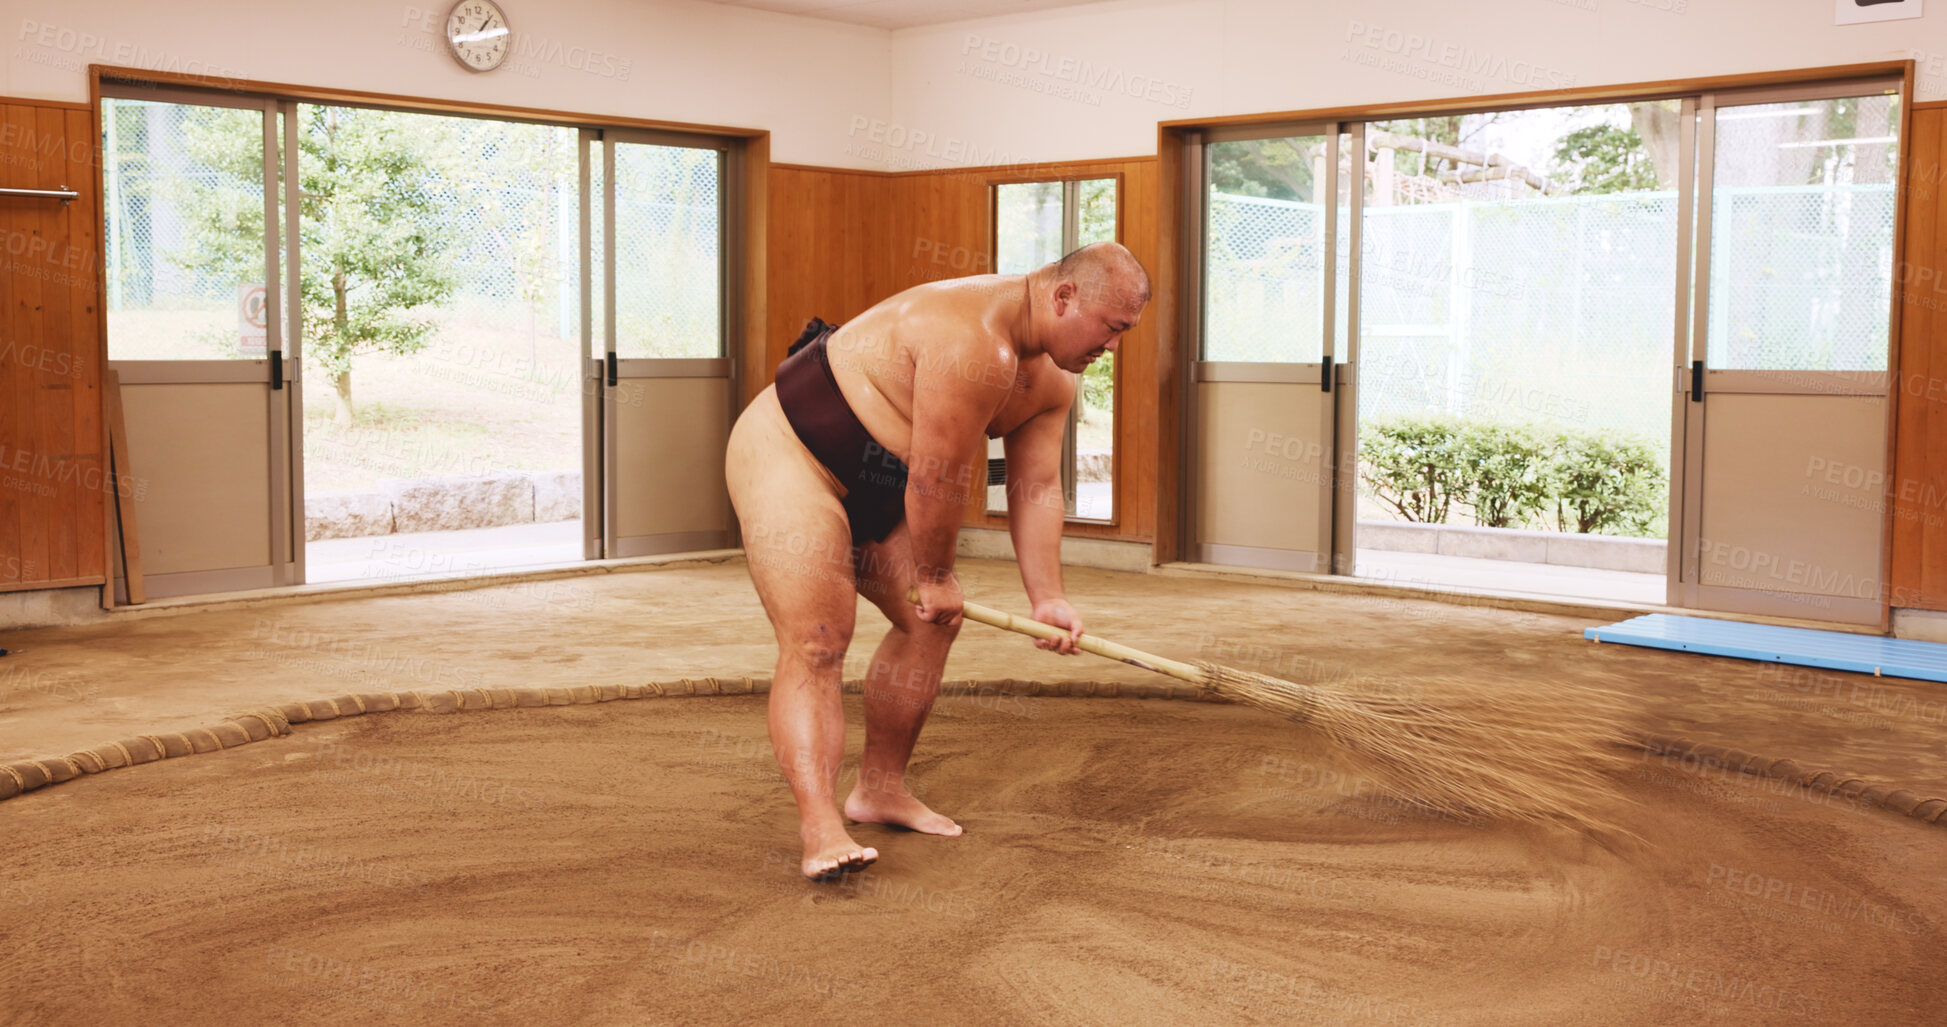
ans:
(480, 397)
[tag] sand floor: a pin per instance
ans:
(1125, 861)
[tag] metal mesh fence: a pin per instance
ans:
(1543, 310)
(504, 198)
(1557, 310)
(1263, 286)
(1800, 277)
(150, 177)
(667, 256)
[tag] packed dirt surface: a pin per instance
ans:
(1125, 861)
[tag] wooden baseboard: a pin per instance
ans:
(34, 586)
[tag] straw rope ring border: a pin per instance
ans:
(255, 725)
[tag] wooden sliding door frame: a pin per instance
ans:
(745, 183)
(1179, 146)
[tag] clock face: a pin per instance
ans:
(476, 32)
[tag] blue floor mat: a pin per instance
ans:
(1804, 647)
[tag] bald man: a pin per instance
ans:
(850, 476)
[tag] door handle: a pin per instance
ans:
(1696, 381)
(611, 369)
(276, 369)
(1325, 375)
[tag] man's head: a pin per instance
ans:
(1094, 295)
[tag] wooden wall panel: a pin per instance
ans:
(844, 240)
(941, 226)
(53, 478)
(1919, 490)
(825, 257)
(841, 241)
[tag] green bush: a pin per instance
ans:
(1509, 474)
(1506, 468)
(1609, 484)
(1413, 465)
(1098, 383)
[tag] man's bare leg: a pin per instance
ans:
(900, 687)
(798, 547)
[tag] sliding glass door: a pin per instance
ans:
(1625, 351)
(202, 336)
(662, 386)
(1782, 408)
(1265, 382)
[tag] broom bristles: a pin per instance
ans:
(1459, 750)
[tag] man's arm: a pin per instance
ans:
(957, 387)
(1037, 509)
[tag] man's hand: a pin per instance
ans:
(1058, 613)
(940, 601)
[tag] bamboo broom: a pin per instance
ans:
(1453, 749)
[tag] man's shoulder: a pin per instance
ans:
(1043, 386)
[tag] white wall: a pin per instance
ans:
(677, 60)
(1092, 81)
(1062, 84)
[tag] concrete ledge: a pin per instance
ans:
(1920, 625)
(1103, 554)
(459, 501)
(50, 607)
(1094, 465)
(346, 515)
(557, 496)
(451, 503)
(1601, 552)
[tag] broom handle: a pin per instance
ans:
(1087, 643)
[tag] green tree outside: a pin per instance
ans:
(373, 245)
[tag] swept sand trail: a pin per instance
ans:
(1125, 861)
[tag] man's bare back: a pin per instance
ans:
(878, 356)
(922, 379)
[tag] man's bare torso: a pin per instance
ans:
(962, 332)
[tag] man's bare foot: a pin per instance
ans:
(836, 855)
(898, 808)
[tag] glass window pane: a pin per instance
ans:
(668, 252)
(1264, 244)
(1027, 226)
(1538, 290)
(1028, 234)
(1517, 270)
(184, 230)
(1801, 246)
(596, 197)
(1096, 219)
